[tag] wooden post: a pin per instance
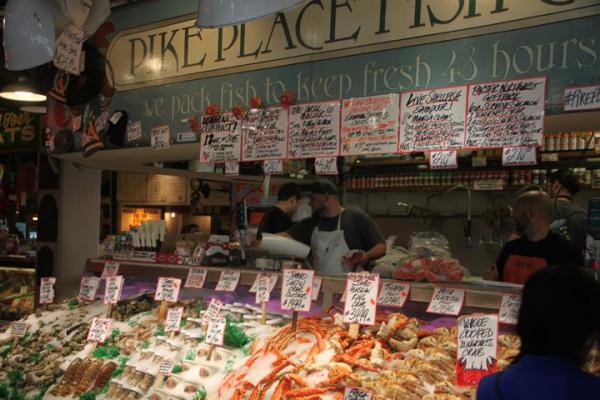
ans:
(210, 352)
(353, 330)
(264, 313)
(162, 310)
(295, 313)
(109, 310)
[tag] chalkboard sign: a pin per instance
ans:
(370, 125)
(220, 136)
(264, 134)
(433, 119)
(314, 130)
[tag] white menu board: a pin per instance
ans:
(167, 289)
(99, 329)
(326, 166)
(513, 156)
(581, 98)
(228, 281)
(47, 290)
(509, 309)
(296, 289)
(361, 298)
(393, 294)
(477, 353)
(263, 289)
(196, 277)
(111, 268)
(212, 311)
(314, 130)
(370, 125)
(264, 134)
(215, 333)
(112, 289)
(88, 288)
(316, 287)
(273, 278)
(447, 301)
(433, 119)
(173, 319)
(220, 137)
(506, 114)
(18, 328)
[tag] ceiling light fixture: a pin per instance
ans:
(218, 13)
(35, 109)
(22, 90)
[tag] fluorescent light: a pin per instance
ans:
(35, 109)
(34, 218)
(218, 13)
(22, 90)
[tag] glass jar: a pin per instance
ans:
(549, 143)
(581, 140)
(573, 141)
(564, 141)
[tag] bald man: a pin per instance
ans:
(537, 247)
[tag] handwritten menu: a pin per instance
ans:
(519, 156)
(220, 137)
(296, 289)
(232, 168)
(477, 353)
(18, 329)
(263, 289)
(88, 288)
(582, 98)
(505, 114)
(264, 134)
(99, 329)
(443, 160)
(212, 312)
(228, 281)
(273, 167)
(326, 166)
(111, 268)
(446, 301)
(370, 125)
(67, 50)
(167, 289)
(509, 309)
(47, 290)
(112, 291)
(357, 394)
(215, 333)
(433, 119)
(134, 131)
(166, 367)
(361, 298)
(316, 287)
(273, 278)
(393, 294)
(160, 137)
(314, 130)
(173, 320)
(196, 277)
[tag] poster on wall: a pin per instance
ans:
(433, 119)
(370, 125)
(506, 114)
(264, 134)
(220, 136)
(314, 130)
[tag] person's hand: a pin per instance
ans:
(355, 258)
(491, 274)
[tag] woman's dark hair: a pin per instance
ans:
(289, 190)
(560, 314)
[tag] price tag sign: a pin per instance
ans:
(47, 290)
(215, 333)
(446, 301)
(582, 98)
(232, 168)
(272, 282)
(212, 312)
(196, 277)
(361, 298)
(88, 288)
(357, 394)
(134, 131)
(316, 287)
(296, 289)
(99, 330)
(228, 281)
(273, 167)
(393, 294)
(326, 166)
(67, 50)
(477, 354)
(18, 329)
(173, 320)
(160, 137)
(166, 367)
(519, 156)
(509, 309)
(167, 289)
(263, 289)
(111, 268)
(443, 160)
(112, 291)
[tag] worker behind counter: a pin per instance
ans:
(537, 247)
(279, 217)
(333, 231)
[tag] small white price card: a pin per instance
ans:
(166, 366)
(111, 268)
(361, 298)
(316, 287)
(232, 168)
(272, 282)
(477, 354)
(263, 288)
(215, 333)
(447, 301)
(112, 291)
(228, 281)
(99, 329)
(196, 277)
(212, 312)
(443, 160)
(296, 289)
(509, 308)
(393, 294)
(326, 166)
(357, 394)
(134, 131)
(47, 290)
(273, 167)
(18, 329)
(167, 289)
(88, 288)
(173, 320)
(522, 155)
(160, 137)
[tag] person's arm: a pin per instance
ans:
(301, 232)
(372, 239)
(577, 228)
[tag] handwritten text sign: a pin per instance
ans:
(506, 114)
(134, 131)
(232, 168)
(220, 137)
(47, 290)
(88, 288)
(264, 134)
(370, 125)
(296, 289)
(316, 287)
(112, 291)
(99, 330)
(273, 167)
(582, 98)
(173, 320)
(433, 119)
(446, 301)
(67, 50)
(477, 353)
(167, 289)
(509, 309)
(393, 294)
(212, 312)
(263, 289)
(314, 130)
(443, 160)
(519, 156)
(326, 166)
(166, 367)
(273, 278)
(160, 137)
(196, 277)
(361, 298)
(357, 394)
(228, 281)
(111, 268)
(18, 329)
(215, 333)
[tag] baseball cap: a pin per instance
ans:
(323, 186)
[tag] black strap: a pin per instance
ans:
(498, 388)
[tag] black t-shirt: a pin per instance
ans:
(520, 258)
(360, 231)
(275, 221)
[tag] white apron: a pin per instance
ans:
(327, 250)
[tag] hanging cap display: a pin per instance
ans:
(117, 127)
(63, 141)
